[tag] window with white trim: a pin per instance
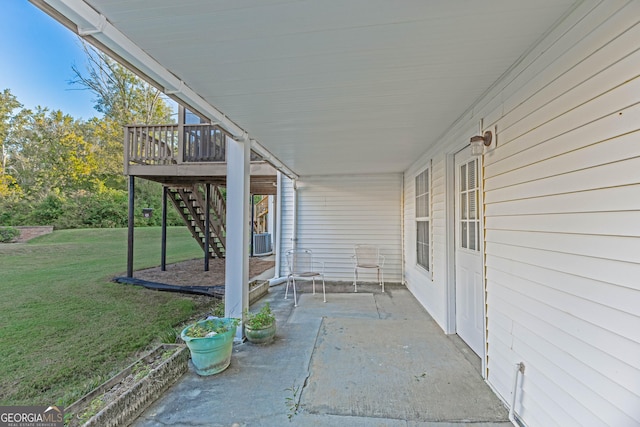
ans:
(423, 220)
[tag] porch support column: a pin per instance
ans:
(163, 251)
(207, 225)
(130, 226)
(276, 233)
(236, 296)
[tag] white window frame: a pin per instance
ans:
(423, 191)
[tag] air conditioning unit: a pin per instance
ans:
(262, 244)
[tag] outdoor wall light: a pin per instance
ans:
(478, 143)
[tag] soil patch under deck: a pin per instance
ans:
(191, 273)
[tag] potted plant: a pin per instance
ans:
(210, 342)
(260, 327)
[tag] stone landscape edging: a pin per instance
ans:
(129, 405)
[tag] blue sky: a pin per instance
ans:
(36, 55)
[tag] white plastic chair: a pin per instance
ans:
(368, 256)
(302, 267)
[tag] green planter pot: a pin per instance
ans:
(262, 335)
(211, 355)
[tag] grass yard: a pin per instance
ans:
(65, 327)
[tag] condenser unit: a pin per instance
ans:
(262, 244)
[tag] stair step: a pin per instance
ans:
(189, 202)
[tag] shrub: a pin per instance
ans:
(49, 210)
(107, 209)
(101, 208)
(14, 211)
(8, 234)
(104, 209)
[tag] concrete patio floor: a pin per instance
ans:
(365, 359)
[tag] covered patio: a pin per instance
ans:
(525, 247)
(365, 359)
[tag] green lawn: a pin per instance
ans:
(64, 326)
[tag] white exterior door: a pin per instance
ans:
(469, 281)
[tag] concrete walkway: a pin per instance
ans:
(365, 359)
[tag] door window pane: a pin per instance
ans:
(469, 219)
(463, 177)
(472, 174)
(472, 205)
(472, 235)
(464, 214)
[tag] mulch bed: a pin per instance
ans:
(191, 273)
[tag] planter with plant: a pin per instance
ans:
(211, 343)
(260, 327)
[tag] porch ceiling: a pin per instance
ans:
(333, 86)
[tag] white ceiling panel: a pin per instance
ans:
(337, 86)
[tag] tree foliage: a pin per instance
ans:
(66, 172)
(11, 116)
(121, 96)
(50, 153)
(8, 234)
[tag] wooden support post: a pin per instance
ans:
(163, 250)
(130, 226)
(181, 120)
(207, 225)
(127, 149)
(253, 224)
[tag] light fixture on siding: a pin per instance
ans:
(478, 143)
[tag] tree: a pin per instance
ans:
(120, 95)
(49, 153)
(124, 99)
(107, 138)
(10, 119)
(58, 170)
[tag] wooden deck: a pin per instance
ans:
(180, 155)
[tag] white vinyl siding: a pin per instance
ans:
(337, 212)
(285, 204)
(423, 219)
(562, 222)
(427, 286)
(562, 202)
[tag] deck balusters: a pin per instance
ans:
(159, 144)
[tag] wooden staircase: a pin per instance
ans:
(190, 203)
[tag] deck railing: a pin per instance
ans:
(262, 207)
(174, 144)
(203, 143)
(151, 145)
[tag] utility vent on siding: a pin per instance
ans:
(262, 244)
